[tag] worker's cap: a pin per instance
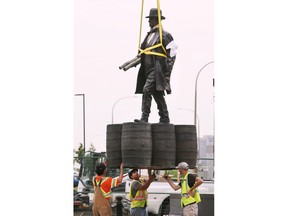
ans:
(131, 172)
(183, 165)
(100, 167)
(154, 14)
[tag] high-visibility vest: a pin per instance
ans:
(101, 181)
(140, 199)
(185, 197)
(197, 195)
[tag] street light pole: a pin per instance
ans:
(83, 97)
(112, 120)
(195, 108)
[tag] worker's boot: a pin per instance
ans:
(146, 105)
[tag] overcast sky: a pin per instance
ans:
(107, 34)
(37, 95)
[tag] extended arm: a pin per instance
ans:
(150, 180)
(121, 174)
(174, 186)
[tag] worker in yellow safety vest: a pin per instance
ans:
(102, 190)
(138, 193)
(189, 189)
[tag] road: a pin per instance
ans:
(87, 212)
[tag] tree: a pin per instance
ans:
(78, 154)
(86, 160)
(78, 157)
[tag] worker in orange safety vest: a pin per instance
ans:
(102, 190)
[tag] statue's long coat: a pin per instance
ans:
(163, 66)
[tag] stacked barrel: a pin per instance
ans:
(145, 145)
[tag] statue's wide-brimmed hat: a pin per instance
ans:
(154, 14)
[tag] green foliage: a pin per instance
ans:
(78, 154)
(172, 173)
(87, 160)
(89, 163)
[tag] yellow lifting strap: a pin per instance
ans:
(148, 51)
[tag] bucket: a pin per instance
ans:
(136, 145)
(186, 144)
(113, 145)
(163, 146)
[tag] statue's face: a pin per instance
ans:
(152, 22)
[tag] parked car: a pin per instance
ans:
(75, 181)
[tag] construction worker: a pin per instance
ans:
(102, 188)
(189, 189)
(138, 193)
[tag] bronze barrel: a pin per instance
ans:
(163, 146)
(113, 145)
(186, 144)
(136, 145)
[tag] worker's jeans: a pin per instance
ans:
(138, 211)
(190, 210)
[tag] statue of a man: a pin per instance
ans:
(155, 71)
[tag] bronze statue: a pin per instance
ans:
(156, 67)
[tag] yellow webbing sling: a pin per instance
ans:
(148, 51)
